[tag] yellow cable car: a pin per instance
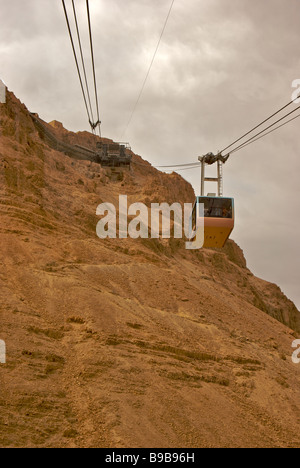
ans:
(214, 213)
(218, 220)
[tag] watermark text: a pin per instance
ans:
(160, 220)
(2, 352)
(296, 93)
(296, 354)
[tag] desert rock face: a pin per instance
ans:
(128, 343)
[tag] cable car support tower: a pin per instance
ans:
(210, 159)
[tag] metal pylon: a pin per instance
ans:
(218, 179)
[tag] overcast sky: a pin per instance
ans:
(222, 67)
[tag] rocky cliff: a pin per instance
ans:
(128, 343)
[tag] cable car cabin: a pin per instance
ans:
(218, 220)
(114, 154)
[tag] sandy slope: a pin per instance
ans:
(129, 343)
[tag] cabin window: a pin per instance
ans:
(217, 207)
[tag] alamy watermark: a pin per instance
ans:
(2, 352)
(296, 354)
(296, 93)
(139, 221)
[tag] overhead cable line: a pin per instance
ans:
(187, 168)
(249, 142)
(76, 60)
(175, 165)
(98, 123)
(259, 125)
(82, 61)
(260, 133)
(268, 133)
(149, 70)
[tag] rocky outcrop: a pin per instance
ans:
(128, 343)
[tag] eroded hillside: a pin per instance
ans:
(128, 343)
